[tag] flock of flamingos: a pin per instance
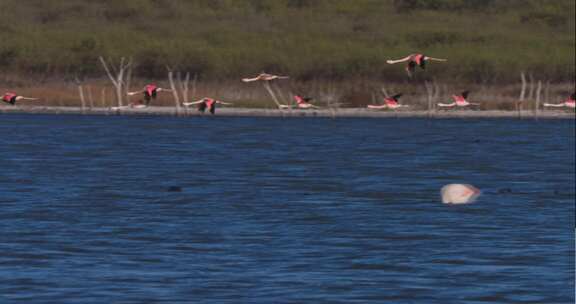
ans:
(390, 102)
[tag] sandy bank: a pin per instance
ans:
(346, 112)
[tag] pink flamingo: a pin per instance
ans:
(459, 101)
(12, 98)
(264, 77)
(570, 102)
(413, 61)
(389, 103)
(301, 103)
(206, 103)
(150, 92)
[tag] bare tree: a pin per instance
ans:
(90, 99)
(537, 102)
(119, 76)
(523, 92)
(268, 88)
(194, 81)
(174, 90)
(331, 99)
(432, 93)
(184, 85)
(522, 95)
(532, 87)
(81, 93)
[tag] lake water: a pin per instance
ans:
(97, 209)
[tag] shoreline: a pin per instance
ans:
(255, 112)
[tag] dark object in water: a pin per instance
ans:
(174, 189)
(504, 190)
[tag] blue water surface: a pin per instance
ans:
(110, 209)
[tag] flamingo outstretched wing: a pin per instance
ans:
(18, 98)
(555, 105)
(193, 102)
(376, 106)
(446, 104)
(394, 61)
(135, 93)
(435, 59)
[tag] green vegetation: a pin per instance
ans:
(486, 41)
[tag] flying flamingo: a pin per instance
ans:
(570, 102)
(413, 61)
(389, 103)
(459, 101)
(206, 103)
(264, 77)
(12, 98)
(150, 92)
(304, 102)
(301, 103)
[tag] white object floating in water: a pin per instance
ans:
(459, 194)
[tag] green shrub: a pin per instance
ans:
(307, 39)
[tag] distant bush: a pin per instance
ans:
(411, 5)
(545, 18)
(8, 56)
(307, 39)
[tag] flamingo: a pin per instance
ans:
(150, 92)
(389, 103)
(206, 103)
(264, 77)
(459, 101)
(304, 102)
(12, 98)
(570, 102)
(459, 194)
(301, 103)
(413, 61)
